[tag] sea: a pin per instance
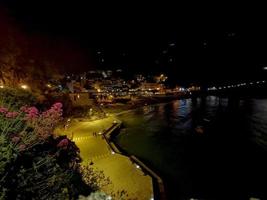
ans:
(203, 148)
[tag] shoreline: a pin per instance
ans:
(124, 108)
(159, 191)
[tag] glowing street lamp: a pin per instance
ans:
(25, 87)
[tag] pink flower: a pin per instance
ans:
(3, 110)
(57, 106)
(15, 139)
(63, 143)
(12, 114)
(33, 110)
(32, 113)
(22, 147)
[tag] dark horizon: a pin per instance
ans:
(190, 44)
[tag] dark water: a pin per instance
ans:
(226, 161)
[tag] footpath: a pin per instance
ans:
(92, 139)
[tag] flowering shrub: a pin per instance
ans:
(33, 163)
(45, 122)
(27, 120)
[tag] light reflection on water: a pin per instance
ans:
(233, 142)
(259, 122)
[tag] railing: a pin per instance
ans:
(162, 194)
(160, 186)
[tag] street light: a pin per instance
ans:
(24, 86)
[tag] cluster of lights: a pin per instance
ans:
(194, 88)
(133, 90)
(25, 87)
(234, 86)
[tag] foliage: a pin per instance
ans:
(34, 59)
(33, 163)
(121, 195)
(98, 195)
(97, 180)
(93, 177)
(15, 98)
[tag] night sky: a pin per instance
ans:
(198, 43)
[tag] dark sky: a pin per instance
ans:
(190, 42)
